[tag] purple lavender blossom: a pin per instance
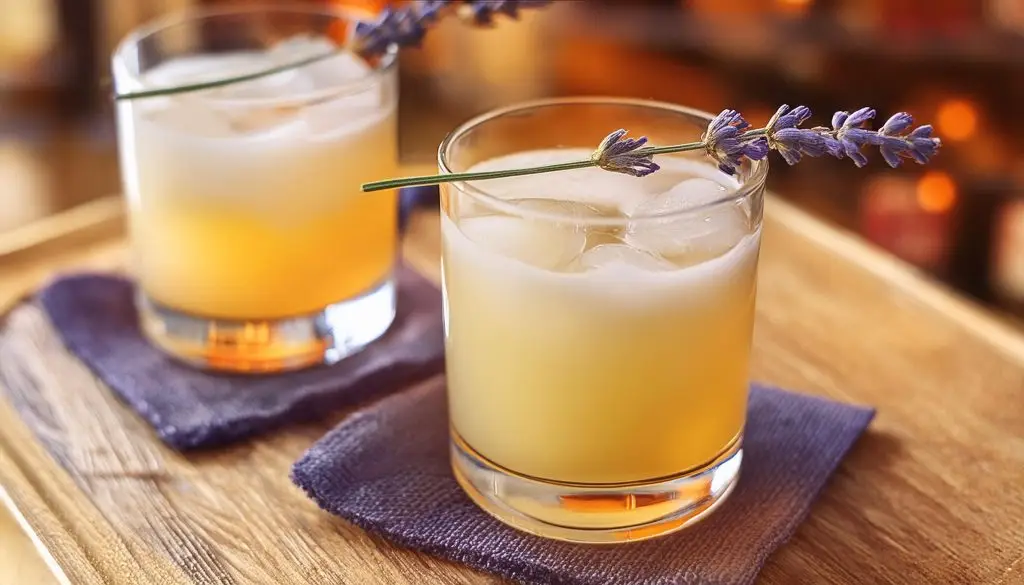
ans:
(403, 27)
(848, 130)
(481, 12)
(792, 142)
(619, 154)
(407, 26)
(919, 145)
(896, 124)
(725, 142)
(729, 138)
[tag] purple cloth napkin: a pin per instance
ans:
(412, 198)
(386, 470)
(189, 408)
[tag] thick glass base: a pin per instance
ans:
(267, 346)
(596, 514)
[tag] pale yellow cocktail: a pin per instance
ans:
(246, 214)
(598, 336)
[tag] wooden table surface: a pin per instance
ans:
(932, 494)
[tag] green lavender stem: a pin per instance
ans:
(227, 80)
(481, 176)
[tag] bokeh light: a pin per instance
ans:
(957, 119)
(793, 6)
(936, 192)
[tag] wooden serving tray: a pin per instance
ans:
(934, 493)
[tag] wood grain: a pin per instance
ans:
(933, 494)
(97, 217)
(20, 562)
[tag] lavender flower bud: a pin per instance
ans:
(847, 130)
(618, 154)
(407, 26)
(403, 27)
(897, 123)
(725, 142)
(923, 145)
(894, 146)
(794, 143)
(918, 145)
(786, 118)
(860, 116)
(481, 12)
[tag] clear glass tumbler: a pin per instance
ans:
(598, 325)
(253, 247)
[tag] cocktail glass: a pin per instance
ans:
(253, 248)
(598, 325)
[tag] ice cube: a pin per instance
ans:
(285, 84)
(593, 186)
(547, 244)
(619, 256)
(685, 195)
(698, 234)
(335, 111)
(300, 46)
(187, 115)
(672, 170)
(201, 68)
(193, 116)
(337, 114)
(326, 113)
(570, 212)
(340, 68)
(271, 106)
(337, 70)
(264, 121)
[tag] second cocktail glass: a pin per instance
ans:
(253, 246)
(598, 325)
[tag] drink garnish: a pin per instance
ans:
(729, 140)
(402, 27)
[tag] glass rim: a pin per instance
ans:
(192, 14)
(744, 189)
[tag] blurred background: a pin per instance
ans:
(956, 63)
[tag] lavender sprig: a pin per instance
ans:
(847, 137)
(793, 143)
(407, 26)
(919, 145)
(620, 154)
(404, 27)
(729, 140)
(482, 12)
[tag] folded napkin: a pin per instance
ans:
(95, 316)
(412, 198)
(386, 469)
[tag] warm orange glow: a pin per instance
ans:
(887, 194)
(793, 7)
(936, 192)
(373, 6)
(757, 115)
(337, 31)
(957, 119)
